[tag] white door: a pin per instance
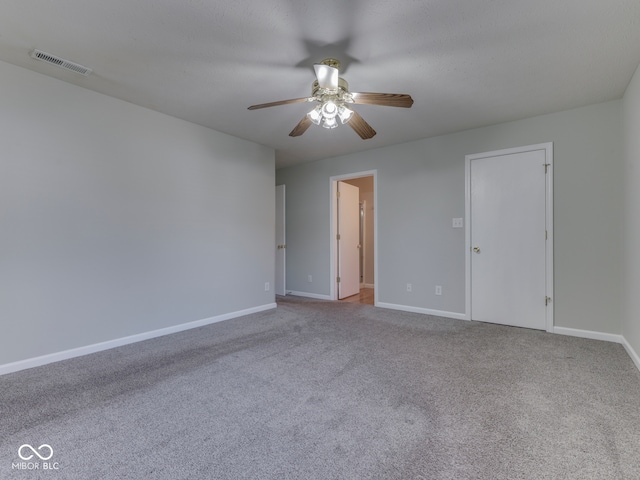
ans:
(348, 240)
(508, 238)
(280, 241)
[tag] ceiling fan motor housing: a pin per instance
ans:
(342, 92)
(331, 62)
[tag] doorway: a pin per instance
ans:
(353, 233)
(509, 243)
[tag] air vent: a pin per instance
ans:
(60, 62)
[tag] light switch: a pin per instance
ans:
(457, 223)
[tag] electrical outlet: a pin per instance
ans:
(409, 287)
(309, 279)
(266, 286)
(438, 289)
(457, 223)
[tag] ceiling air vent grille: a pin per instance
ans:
(61, 62)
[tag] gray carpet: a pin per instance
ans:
(328, 390)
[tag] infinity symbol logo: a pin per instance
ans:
(35, 452)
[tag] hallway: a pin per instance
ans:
(366, 297)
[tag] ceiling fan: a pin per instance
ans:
(333, 98)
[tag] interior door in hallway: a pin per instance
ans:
(508, 237)
(281, 256)
(348, 240)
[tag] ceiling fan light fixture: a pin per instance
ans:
(329, 109)
(330, 122)
(327, 113)
(315, 115)
(332, 94)
(344, 114)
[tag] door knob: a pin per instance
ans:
(476, 249)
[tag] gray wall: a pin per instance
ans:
(631, 320)
(421, 188)
(116, 220)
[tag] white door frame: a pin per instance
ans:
(363, 244)
(548, 148)
(333, 228)
(280, 281)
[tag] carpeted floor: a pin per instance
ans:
(330, 390)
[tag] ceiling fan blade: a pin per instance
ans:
(386, 99)
(281, 102)
(301, 127)
(327, 76)
(361, 127)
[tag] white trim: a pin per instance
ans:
(368, 285)
(550, 236)
(317, 296)
(363, 246)
(606, 337)
(284, 242)
(426, 311)
(632, 353)
(548, 148)
(467, 237)
(575, 332)
(118, 342)
(333, 219)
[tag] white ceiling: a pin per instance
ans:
(465, 63)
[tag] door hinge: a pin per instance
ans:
(546, 167)
(546, 235)
(338, 237)
(338, 279)
(338, 194)
(547, 300)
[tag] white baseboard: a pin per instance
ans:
(427, 311)
(368, 285)
(574, 332)
(632, 353)
(317, 296)
(607, 337)
(97, 347)
(118, 342)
